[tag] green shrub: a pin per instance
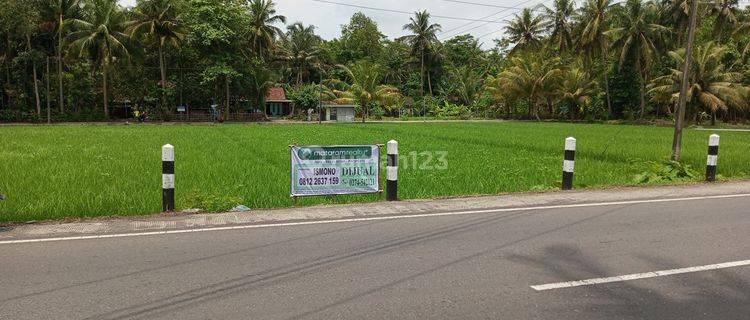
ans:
(666, 171)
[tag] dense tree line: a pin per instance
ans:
(599, 59)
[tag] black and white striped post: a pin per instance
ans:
(713, 157)
(392, 171)
(569, 163)
(167, 177)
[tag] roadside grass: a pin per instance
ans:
(71, 171)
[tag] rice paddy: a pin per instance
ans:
(70, 171)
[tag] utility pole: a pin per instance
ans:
(682, 102)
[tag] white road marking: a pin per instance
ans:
(636, 276)
(380, 218)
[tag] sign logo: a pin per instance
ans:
(327, 153)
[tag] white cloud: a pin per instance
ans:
(328, 18)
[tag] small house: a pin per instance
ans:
(340, 113)
(277, 104)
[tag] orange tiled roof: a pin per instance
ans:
(276, 94)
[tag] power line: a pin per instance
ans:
(520, 5)
(479, 4)
(402, 12)
(533, 9)
(470, 23)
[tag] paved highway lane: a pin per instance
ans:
(473, 266)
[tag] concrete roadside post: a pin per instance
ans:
(392, 171)
(569, 163)
(167, 177)
(713, 157)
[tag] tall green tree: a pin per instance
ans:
(300, 50)
(20, 22)
(636, 37)
(160, 21)
(100, 36)
(262, 30)
(361, 39)
(464, 50)
(525, 30)
(531, 78)
(559, 22)
(675, 14)
(576, 88)
(725, 14)
(422, 40)
(594, 21)
(363, 87)
(712, 87)
(464, 84)
(62, 11)
(217, 36)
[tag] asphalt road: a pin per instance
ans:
(474, 266)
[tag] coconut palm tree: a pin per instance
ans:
(576, 87)
(530, 78)
(160, 21)
(464, 84)
(740, 33)
(725, 14)
(525, 30)
(100, 36)
(422, 40)
(62, 11)
(300, 50)
(636, 38)
(712, 87)
(363, 87)
(558, 22)
(594, 21)
(494, 86)
(262, 31)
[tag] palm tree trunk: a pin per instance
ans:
(429, 83)
(642, 93)
(36, 83)
(46, 96)
(713, 118)
(226, 87)
(163, 72)
(59, 65)
(104, 91)
(551, 108)
(421, 88)
(573, 110)
(642, 87)
(605, 64)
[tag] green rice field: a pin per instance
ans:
(70, 171)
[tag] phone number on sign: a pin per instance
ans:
(319, 181)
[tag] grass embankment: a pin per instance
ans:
(51, 172)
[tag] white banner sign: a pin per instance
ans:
(327, 170)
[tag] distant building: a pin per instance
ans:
(339, 113)
(277, 104)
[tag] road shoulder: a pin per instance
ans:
(377, 209)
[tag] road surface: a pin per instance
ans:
(510, 264)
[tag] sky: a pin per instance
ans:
(328, 17)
